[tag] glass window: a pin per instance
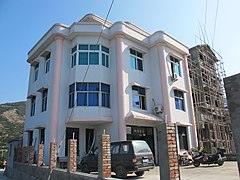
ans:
(83, 47)
(179, 100)
(105, 91)
(71, 95)
(47, 63)
(94, 47)
(93, 58)
(33, 103)
(83, 58)
(115, 149)
(138, 97)
(136, 60)
(36, 69)
(74, 59)
(175, 66)
(44, 99)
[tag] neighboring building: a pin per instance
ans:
(122, 80)
(212, 117)
(232, 86)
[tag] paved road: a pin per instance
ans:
(228, 171)
(2, 177)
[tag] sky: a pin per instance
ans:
(24, 22)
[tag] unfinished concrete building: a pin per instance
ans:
(212, 118)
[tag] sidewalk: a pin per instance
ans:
(2, 177)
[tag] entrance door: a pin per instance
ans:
(182, 136)
(142, 133)
(69, 135)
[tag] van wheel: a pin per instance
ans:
(140, 173)
(85, 168)
(121, 172)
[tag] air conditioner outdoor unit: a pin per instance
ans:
(174, 77)
(157, 109)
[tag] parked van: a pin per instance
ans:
(127, 157)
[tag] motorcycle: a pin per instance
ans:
(217, 158)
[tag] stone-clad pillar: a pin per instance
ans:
(57, 64)
(24, 154)
(31, 155)
(120, 87)
(72, 155)
(168, 155)
(40, 155)
(104, 156)
(53, 155)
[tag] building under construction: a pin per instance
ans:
(212, 118)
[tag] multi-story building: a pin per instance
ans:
(212, 117)
(96, 75)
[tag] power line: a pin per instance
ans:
(85, 75)
(215, 24)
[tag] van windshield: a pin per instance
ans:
(141, 147)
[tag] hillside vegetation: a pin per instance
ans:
(12, 118)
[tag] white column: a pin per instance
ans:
(57, 64)
(190, 102)
(120, 87)
(164, 83)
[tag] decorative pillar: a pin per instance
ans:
(120, 87)
(72, 155)
(40, 155)
(55, 95)
(190, 102)
(164, 82)
(31, 155)
(104, 156)
(25, 154)
(53, 155)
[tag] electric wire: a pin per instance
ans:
(85, 74)
(215, 24)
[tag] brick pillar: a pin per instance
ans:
(172, 152)
(40, 155)
(31, 155)
(19, 154)
(72, 155)
(104, 156)
(53, 155)
(24, 154)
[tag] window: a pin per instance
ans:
(33, 103)
(105, 56)
(69, 135)
(47, 62)
(179, 100)
(36, 68)
(139, 97)
(42, 136)
(74, 57)
(89, 139)
(71, 95)
(89, 94)
(44, 99)
(136, 59)
(88, 54)
(30, 138)
(105, 91)
(175, 66)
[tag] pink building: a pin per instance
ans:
(125, 82)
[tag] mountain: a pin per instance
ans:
(12, 118)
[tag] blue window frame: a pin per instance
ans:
(88, 94)
(179, 100)
(33, 104)
(105, 56)
(175, 65)
(136, 60)
(71, 95)
(44, 99)
(139, 97)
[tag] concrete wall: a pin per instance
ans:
(22, 171)
(232, 86)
